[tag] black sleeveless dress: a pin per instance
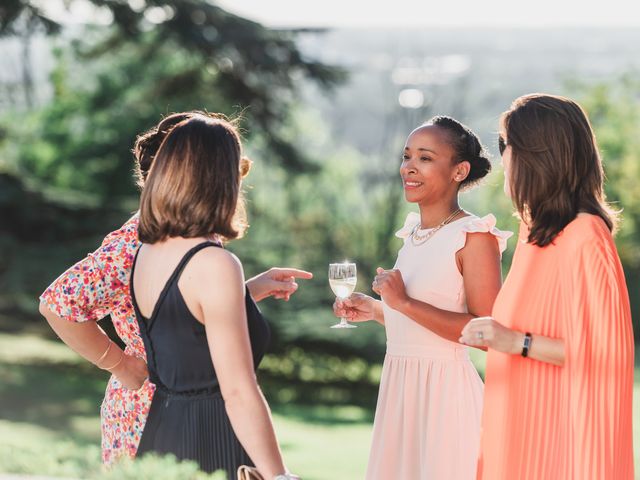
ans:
(187, 417)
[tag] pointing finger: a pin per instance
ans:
(282, 273)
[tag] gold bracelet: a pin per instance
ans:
(104, 355)
(108, 369)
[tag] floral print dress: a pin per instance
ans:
(95, 287)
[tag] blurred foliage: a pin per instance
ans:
(152, 467)
(312, 199)
(157, 57)
(614, 110)
(18, 17)
(64, 458)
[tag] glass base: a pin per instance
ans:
(343, 325)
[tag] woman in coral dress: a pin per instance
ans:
(427, 423)
(559, 378)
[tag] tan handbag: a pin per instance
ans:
(248, 473)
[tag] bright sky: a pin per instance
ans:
(412, 13)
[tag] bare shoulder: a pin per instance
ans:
(479, 243)
(212, 281)
(481, 251)
(216, 263)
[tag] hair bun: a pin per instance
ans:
(467, 147)
(148, 143)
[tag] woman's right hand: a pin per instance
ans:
(132, 372)
(356, 308)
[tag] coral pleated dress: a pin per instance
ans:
(572, 422)
(427, 423)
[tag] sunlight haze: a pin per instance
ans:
(412, 13)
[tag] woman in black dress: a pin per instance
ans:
(203, 334)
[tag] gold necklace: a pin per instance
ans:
(418, 240)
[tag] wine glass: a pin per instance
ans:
(342, 279)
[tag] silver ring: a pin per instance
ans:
(480, 335)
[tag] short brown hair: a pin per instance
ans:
(148, 143)
(193, 187)
(556, 170)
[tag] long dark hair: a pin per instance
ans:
(556, 171)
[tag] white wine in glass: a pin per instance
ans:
(343, 279)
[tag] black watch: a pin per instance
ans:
(526, 345)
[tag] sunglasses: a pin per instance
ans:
(502, 145)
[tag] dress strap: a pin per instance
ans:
(172, 279)
(187, 256)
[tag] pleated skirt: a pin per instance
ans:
(193, 427)
(427, 422)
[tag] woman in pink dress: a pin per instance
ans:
(97, 286)
(427, 422)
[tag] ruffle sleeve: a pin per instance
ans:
(95, 286)
(486, 224)
(410, 223)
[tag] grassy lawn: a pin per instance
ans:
(49, 419)
(49, 407)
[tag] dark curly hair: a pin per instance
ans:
(148, 143)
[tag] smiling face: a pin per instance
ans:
(429, 173)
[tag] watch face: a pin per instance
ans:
(526, 344)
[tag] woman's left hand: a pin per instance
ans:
(131, 372)
(390, 286)
(486, 332)
(276, 282)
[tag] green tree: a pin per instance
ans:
(23, 20)
(161, 56)
(614, 111)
